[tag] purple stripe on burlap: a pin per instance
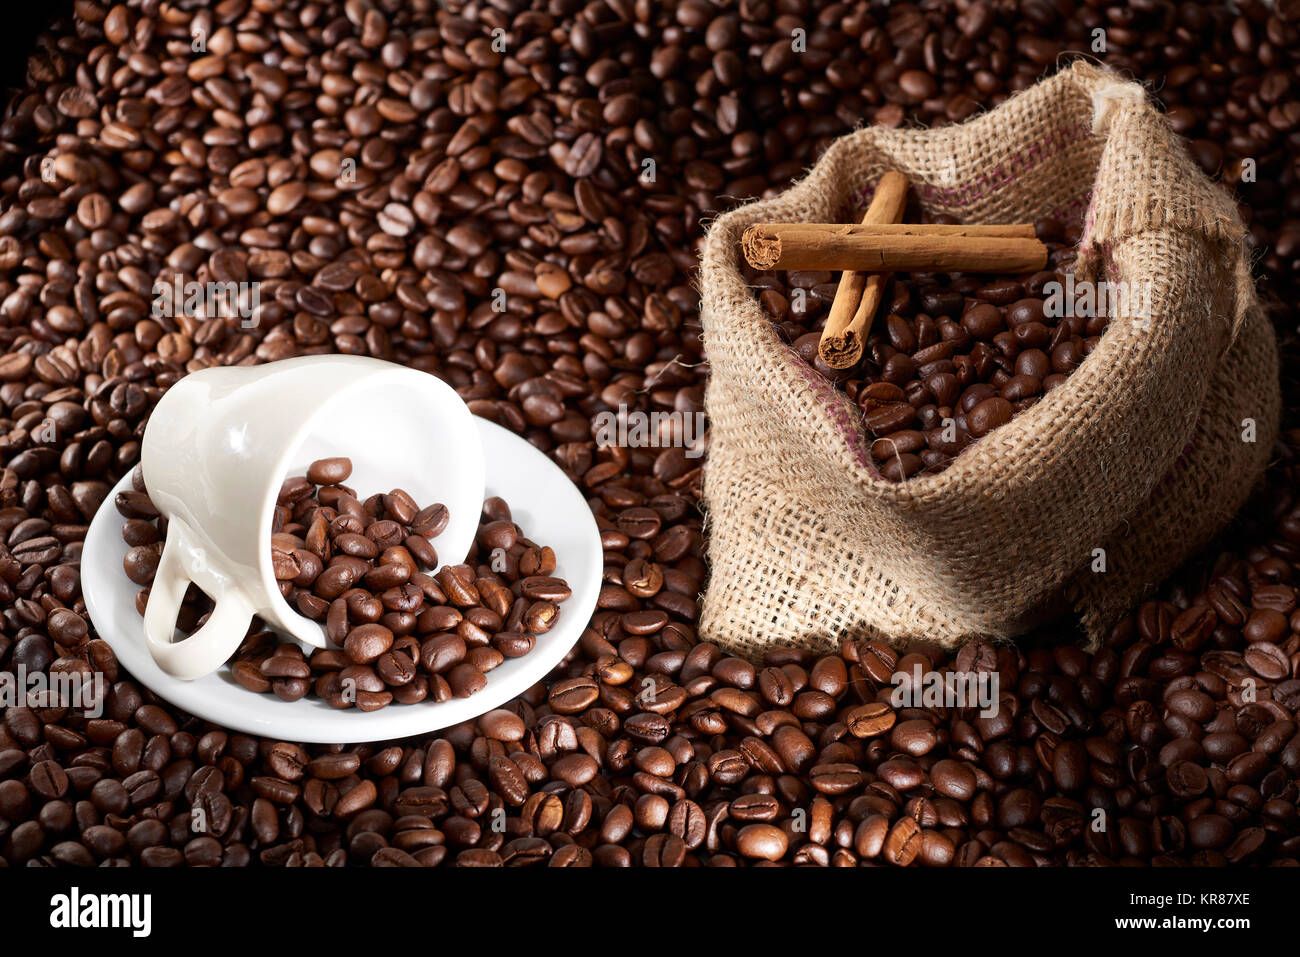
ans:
(1071, 211)
(835, 406)
(1005, 174)
(1000, 176)
(1089, 221)
(1108, 260)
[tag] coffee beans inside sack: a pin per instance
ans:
(1078, 501)
(958, 355)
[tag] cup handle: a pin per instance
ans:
(208, 648)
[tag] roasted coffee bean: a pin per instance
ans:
(870, 720)
(762, 841)
(48, 779)
(430, 522)
(953, 779)
(916, 736)
(333, 471)
(903, 842)
(365, 643)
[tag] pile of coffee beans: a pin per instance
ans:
(524, 169)
(950, 358)
(325, 540)
(364, 569)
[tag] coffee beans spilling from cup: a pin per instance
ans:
(364, 569)
(951, 357)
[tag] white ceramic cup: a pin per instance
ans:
(220, 443)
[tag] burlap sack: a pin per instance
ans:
(1143, 453)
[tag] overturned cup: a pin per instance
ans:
(220, 443)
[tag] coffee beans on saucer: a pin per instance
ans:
(364, 568)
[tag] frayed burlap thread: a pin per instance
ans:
(1137, 459)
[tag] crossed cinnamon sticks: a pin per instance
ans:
(881, 244)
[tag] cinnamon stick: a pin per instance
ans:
(1009, 231)
(858, 295)
(915, 248)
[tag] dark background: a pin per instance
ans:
(23, 21)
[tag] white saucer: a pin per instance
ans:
(546, 505)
